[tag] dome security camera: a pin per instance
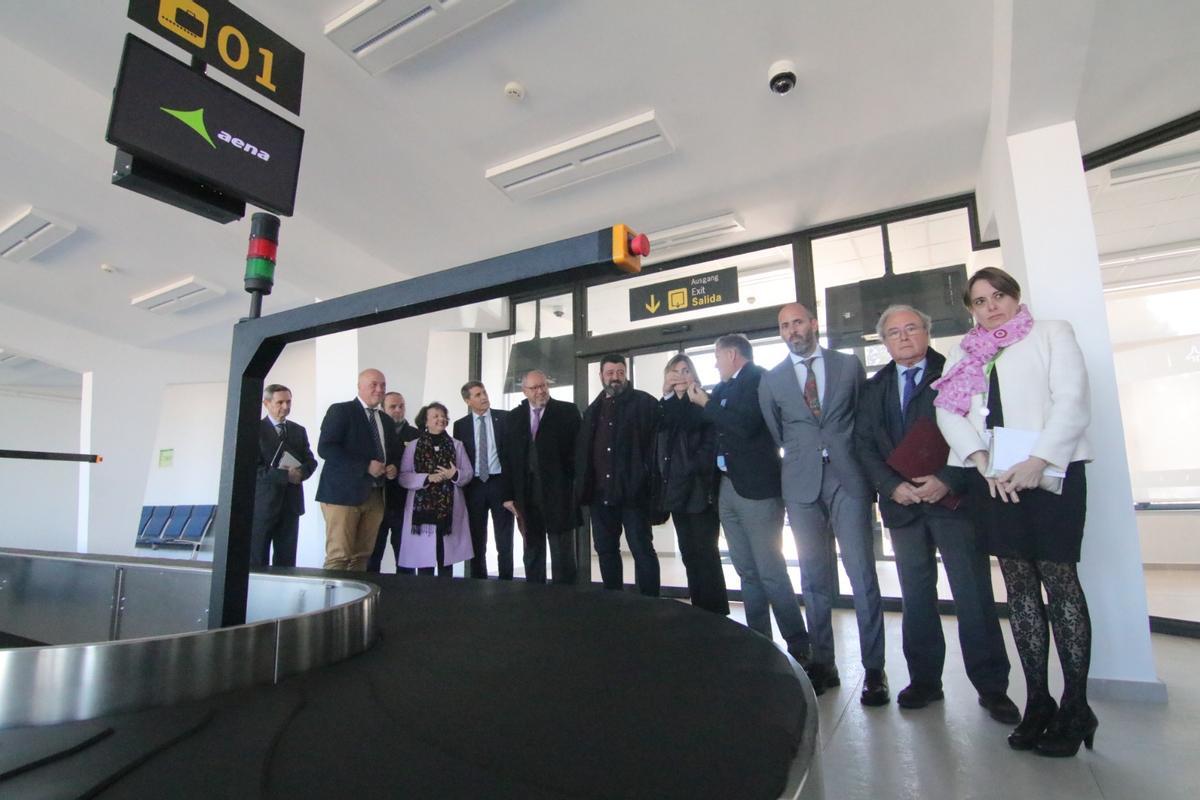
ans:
(781, 78)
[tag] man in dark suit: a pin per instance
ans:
(278, 494)
(749, 500)
(540, 463)
(890, 403)
(393, 493)
(482, 432)
(614, 467)
(808, 402)
(358, 445)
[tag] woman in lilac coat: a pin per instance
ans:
(434, 469)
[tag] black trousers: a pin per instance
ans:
(698, 534)
(563, 562)
(969, 572)
(280, 534)
(389, 529)
(482, 497)
(607, 522)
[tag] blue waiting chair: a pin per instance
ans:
(197, 526)
(174, 526)
(152, 530)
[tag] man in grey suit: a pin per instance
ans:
(808, 402)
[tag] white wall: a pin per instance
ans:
(191, 422)
(38, 499)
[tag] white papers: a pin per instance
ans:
(1010, 446)
(288, 461)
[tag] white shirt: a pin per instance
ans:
(818, 369)
(478, 421)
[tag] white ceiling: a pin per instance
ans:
(891, 109)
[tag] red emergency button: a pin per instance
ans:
(640, 245)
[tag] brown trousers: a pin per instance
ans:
(350, 532)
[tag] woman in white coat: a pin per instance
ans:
(1014, 372)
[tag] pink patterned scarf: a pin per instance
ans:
(980, 346)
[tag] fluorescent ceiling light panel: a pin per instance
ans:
(177, 296)
(692, 232)
(31, 233)
(379, 34)
(1153, 170)
(623, 144)
(1144, 254)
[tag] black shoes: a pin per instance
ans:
(1000, 707)
(802, 654)
(1038, 713)
(917, 695)
(1071, 726)
(822, 676)
(875, 688)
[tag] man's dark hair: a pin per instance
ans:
(424, 413)
(612, 358)
(736, 341)
(468, 386)
(271, 388)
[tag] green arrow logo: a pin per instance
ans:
(194, 120)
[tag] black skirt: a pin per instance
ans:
(1042, 527)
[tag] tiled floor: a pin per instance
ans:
(954, 751)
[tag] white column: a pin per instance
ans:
(1045, 226)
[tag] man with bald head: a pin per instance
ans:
(539, 458)
(808, 402)
(358, 446)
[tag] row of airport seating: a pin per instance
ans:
(175, 526)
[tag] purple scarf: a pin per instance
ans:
(980, 346)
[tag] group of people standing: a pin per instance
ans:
(812, 437)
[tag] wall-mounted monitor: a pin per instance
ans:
(852, 310)
(184, 122)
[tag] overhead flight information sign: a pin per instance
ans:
(169, 114)
(222, 35)
(689, 293)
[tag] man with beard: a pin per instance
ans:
(613, 466)
(808, 402)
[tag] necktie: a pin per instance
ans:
(910, 389)
(373, 416)
(811, 398)
(279, 430)
(484, 471)
(535, 421)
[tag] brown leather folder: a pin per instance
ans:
(923, 451)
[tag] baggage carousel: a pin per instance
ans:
(425, 688)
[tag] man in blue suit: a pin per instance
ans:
(482, 433)
(285, 461)
(355, 444)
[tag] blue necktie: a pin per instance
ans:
(910, 389)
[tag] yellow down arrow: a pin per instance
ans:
(653, 306)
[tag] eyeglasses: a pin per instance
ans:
(910, 330)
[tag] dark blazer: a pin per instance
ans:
(393, 492)
(751, 455)
(548, 472)
(878, 429)
(348, 446)
(685, 455)
(272, 491)
(464, 431)
(633, 449)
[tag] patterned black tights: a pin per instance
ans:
(1068, 615)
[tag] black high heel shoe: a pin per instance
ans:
(1039, 711)
(1070, 727)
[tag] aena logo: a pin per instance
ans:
(195, 120)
